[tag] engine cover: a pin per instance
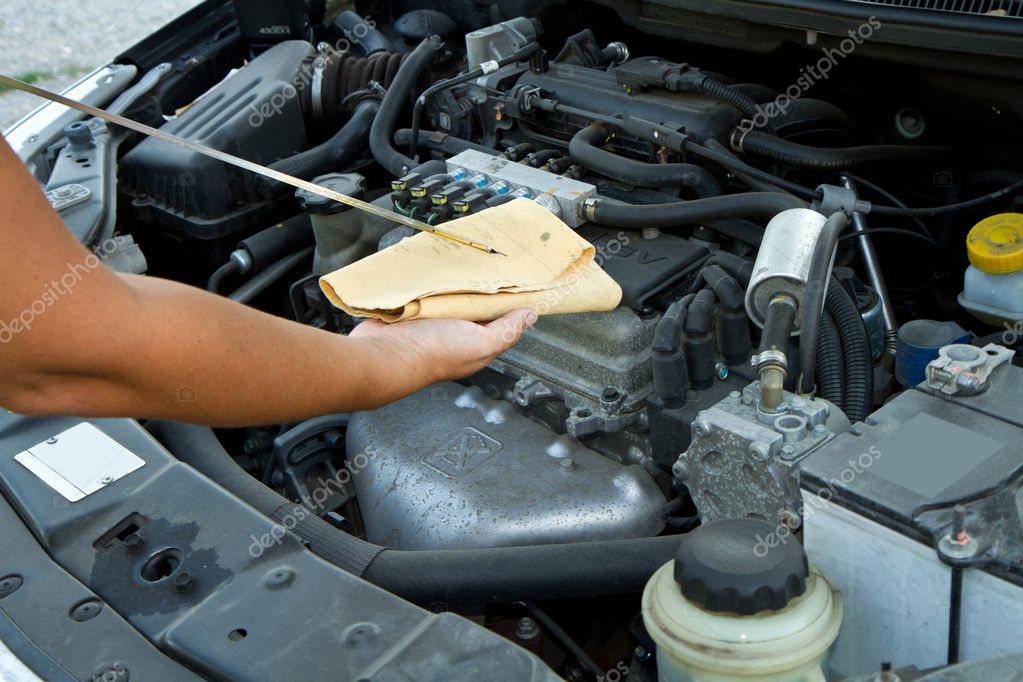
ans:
(450, 468)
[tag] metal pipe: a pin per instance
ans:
(871, 263)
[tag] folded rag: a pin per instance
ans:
(546, 266)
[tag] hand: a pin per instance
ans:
(448, 349)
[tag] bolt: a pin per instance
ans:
(820, 430)
(106, 480)
(788, 452)
(789, 519)
(526, 629)
(88, 609)
(886, 672)
(609, 394)
(134, 543)
(959, 533)
(641, 654)
(183, 582)
(51, 441)
(759, 451)
(10, 584)
(567, 464)
(721, 370)
(701, 427)
(680, 470)
(114, 673)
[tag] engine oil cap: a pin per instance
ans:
(733, 565)
(995, 244)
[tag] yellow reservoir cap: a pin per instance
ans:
(995, 244)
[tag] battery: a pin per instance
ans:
(916, 514)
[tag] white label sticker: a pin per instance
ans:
(79, 461)
(489, 66)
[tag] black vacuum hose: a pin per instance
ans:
(329, 155)
(813, 305)
(395, 100)
(859, 369)
(453, 577)
(823, 158)
(731, 95)
(585, 148)
(763, 205)
(438, 141)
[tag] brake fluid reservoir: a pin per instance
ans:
(740, 602)
(993, 285)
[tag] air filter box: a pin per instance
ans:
(256, 114)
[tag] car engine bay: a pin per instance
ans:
(808, 340)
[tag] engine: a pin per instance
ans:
(792, 268)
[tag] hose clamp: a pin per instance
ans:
(590, 209)
(738, 135)
(316, 87)
(771, 357)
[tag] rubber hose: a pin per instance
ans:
(822, 158)
(585, 148)
(813, 305)
(198, 447)
(219, 275)
(453, 577)
(266, 277)
(394, 101)
(830, 367)
(754, 183)
(439, 142)
(735, 97)
(763, 205)
(330, 155)
(859, 369)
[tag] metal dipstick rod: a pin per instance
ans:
(245, 164)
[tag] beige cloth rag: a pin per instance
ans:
(546, 267)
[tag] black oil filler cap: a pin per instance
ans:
(733, 565)
(349, 184)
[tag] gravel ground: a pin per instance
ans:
(54, 43)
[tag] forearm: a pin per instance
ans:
(176, 352)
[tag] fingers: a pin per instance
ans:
(507, 330)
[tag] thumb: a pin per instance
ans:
(508, 329)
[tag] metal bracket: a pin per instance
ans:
(962, 369)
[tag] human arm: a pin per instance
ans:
(78, 338)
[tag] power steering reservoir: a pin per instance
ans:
(993, 285)
(740, 602)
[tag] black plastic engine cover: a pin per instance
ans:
(643, 267)
(701, 116)
(255, 114)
